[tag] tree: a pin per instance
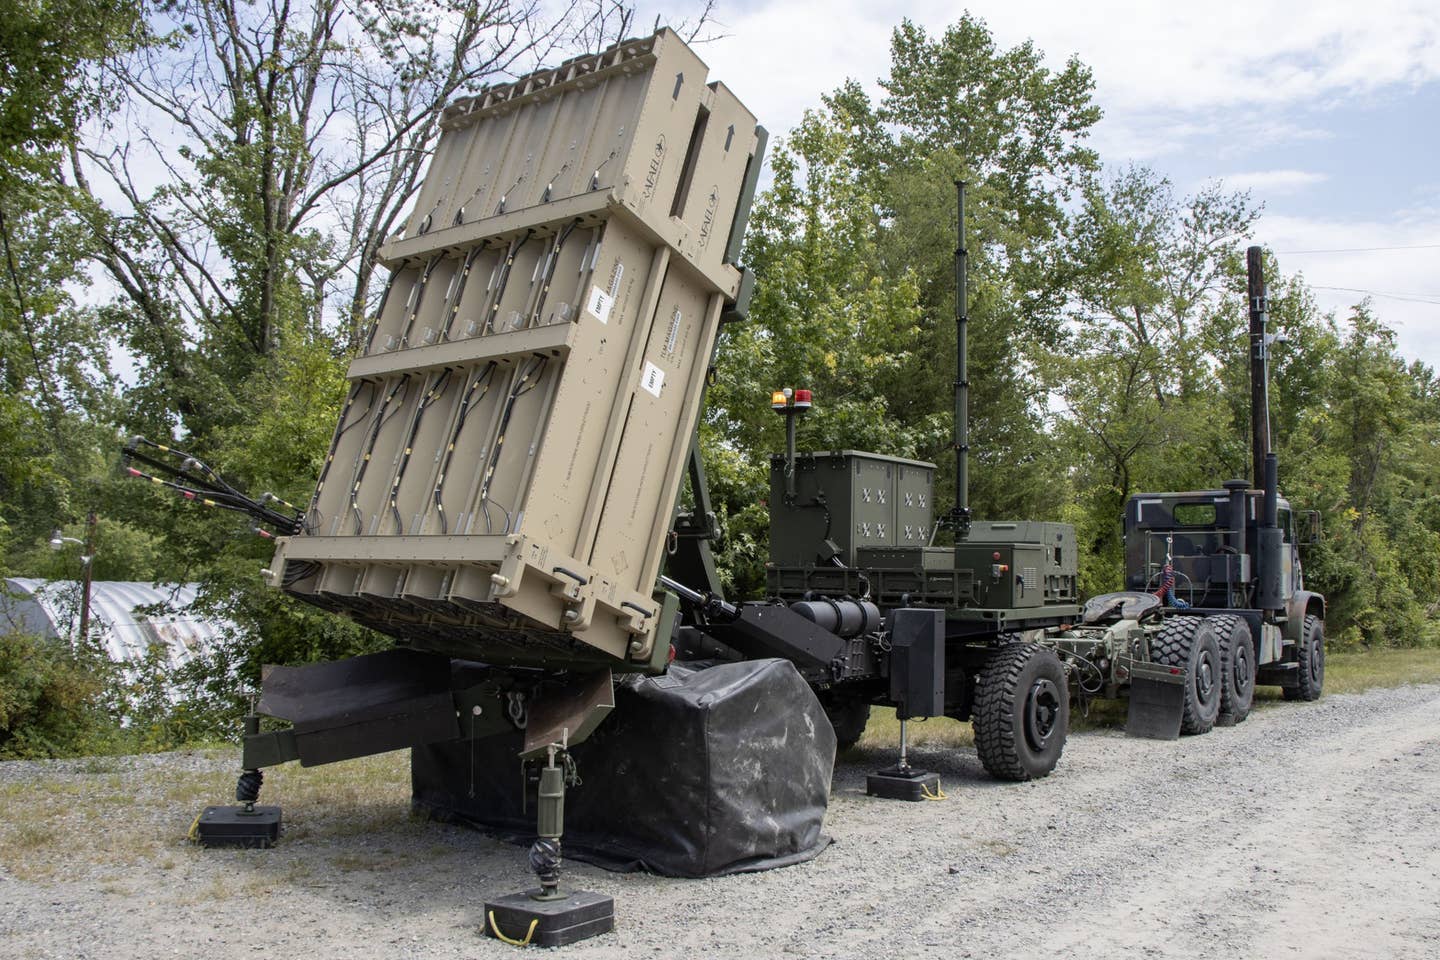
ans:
(1157, 313)
(956, 106)
(824, 318)
(853, 254)
(271, 150)
(56, 390)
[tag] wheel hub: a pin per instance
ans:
(1205, 679)
(1042, 711)
(1242, 668)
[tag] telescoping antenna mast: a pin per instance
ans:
(960, 516)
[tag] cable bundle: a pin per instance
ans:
(196, 481)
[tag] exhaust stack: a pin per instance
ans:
(1259, 366)
(1269, 545)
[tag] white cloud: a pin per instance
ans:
(1392, 260)
(1165, 58)
(1214, 83)
(1232, 52)
(1268, 183)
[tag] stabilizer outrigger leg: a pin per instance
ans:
(917, 687)
(902, 781)
(548, 916)
(245, 825)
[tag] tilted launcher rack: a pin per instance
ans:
(505, 468)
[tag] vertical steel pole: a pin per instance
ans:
(790, 413)
(89, 563)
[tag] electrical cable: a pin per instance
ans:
(381, 418)
(1080, 680)
(379, 313)
(416, 298)
(467, 403)
(340, 431)
(503, 280)
(535, 370)
(551, 263)
(196, 481)
(1431, 298)
(437, 387)
(457, 291)
(1410, 246)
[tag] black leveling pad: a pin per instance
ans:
(521, 919)
(903, 783)
(234, 826)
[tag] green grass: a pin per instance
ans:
(1358, 671)
(144, 814)
(1349, 672)
(883, 731)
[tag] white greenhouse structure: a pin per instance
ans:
(124, 616)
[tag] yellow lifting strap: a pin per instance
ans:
(495, 929)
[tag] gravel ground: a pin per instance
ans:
(1312, 830)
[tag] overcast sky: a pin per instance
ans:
(1327, 111)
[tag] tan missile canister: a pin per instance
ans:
(504, 471)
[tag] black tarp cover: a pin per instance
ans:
(699, 772)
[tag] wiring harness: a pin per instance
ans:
(194, 480)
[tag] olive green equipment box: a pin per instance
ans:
(862, 524)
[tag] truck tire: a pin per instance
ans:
(1237, 665)
(1311, 662)
(1192, 643)
(848, 715)
(1022, 712)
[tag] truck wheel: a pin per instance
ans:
(1311, 656)
(1192, 643)
(1237, 666)
(848, 716)
(1022, 712)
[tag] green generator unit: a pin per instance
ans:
(847, 500)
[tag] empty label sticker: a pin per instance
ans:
(652, 379)
(599, 304)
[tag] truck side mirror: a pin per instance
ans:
(1312, 527)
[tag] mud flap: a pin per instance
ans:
(1157, 701)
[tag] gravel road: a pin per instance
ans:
(1312, 830)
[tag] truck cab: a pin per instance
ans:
(1196, 531)
(1211, 540)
